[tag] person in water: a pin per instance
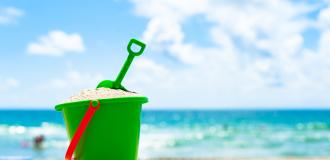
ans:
(38, 142)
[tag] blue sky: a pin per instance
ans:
(201, 54)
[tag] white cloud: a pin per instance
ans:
(8, 83)
(10, 15)
(148, 71)
(324, 18)
(325, 43)
(75, 79)
(235, 71)
(49, 92)
(57, 43)
(57, 89)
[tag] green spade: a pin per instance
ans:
(117, 83)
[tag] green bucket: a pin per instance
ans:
(108, 129)
(112, 133)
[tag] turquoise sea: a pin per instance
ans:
(184, 133)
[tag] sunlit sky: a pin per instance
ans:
(200, 53)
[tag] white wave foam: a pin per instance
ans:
(47, 129)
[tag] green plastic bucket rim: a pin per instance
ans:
(136, 99)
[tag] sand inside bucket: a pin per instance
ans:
(100, 93)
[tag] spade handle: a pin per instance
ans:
(129, 60)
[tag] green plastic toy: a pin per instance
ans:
(105, 128)
(117, 83)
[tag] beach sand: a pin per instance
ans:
(284, 158)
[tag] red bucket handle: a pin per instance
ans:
(81, 129)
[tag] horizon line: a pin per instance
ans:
(189, 108)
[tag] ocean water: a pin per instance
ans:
(184, 133)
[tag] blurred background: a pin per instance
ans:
(238, 79)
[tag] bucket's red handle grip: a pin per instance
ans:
(81, 129)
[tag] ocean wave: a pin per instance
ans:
(268, 139)
(190, 140)
(313, 126)
(22, 136)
